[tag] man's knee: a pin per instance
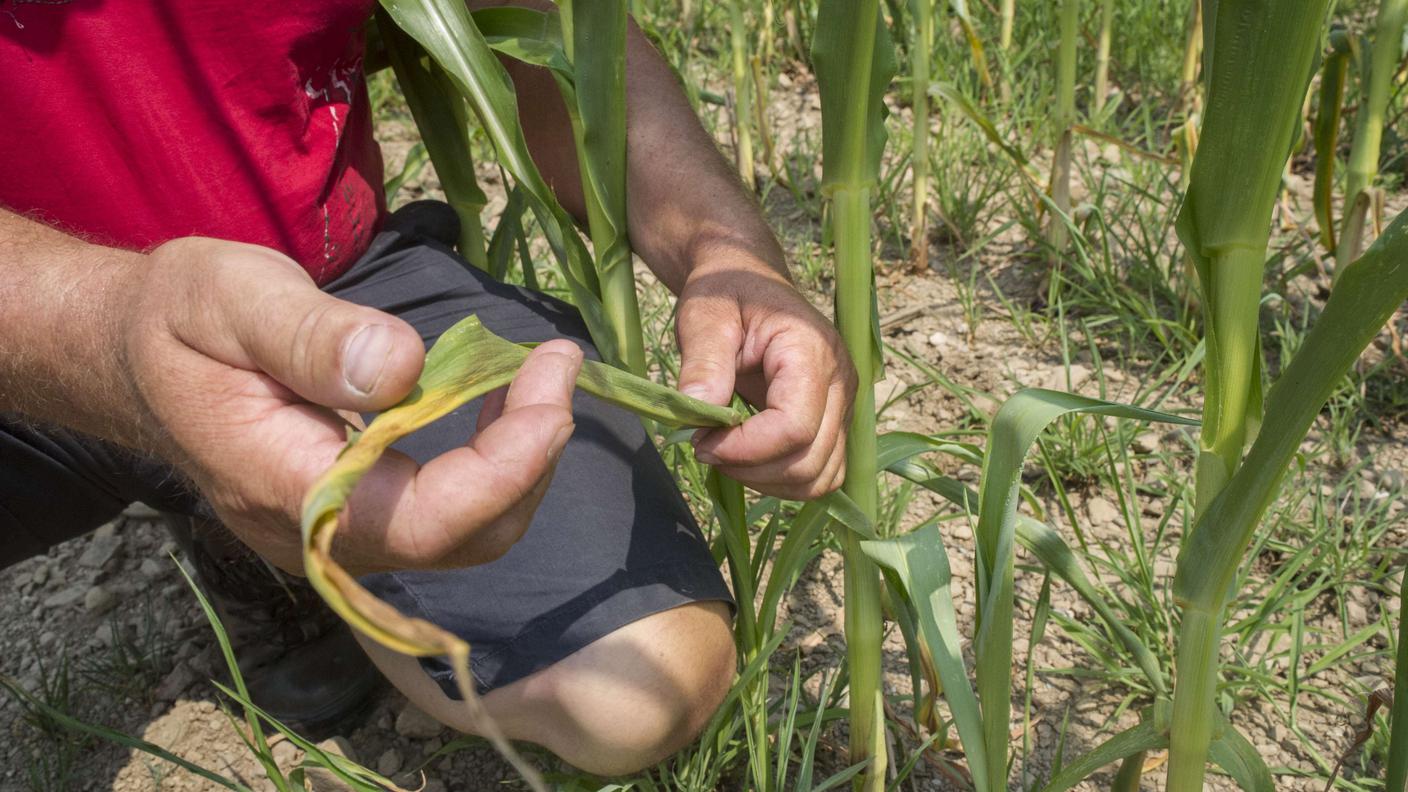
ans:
(642, 693)
(624, 702)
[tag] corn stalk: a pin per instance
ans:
(1259, 56)
(1102, 57)
(920, 54)
(1363, 166)
(742, 93)
(1397, 778)
(853, 61)
(1008, 12)
(1063, 122)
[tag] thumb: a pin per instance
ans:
(271, 317)
(709, 346)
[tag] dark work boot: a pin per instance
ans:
(298, 659)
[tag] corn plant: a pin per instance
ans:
(1102, 57)
(853, 61)
(1327, 129)
(742, 92)
(1397, 778)
(1361, 201)
(1064, 123)
(920, 55)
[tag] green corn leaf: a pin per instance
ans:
(1147, 736)
(797, 549)
(852, 93)
(1367, 294)
(966, 107)
(916, 565)
(897, 450)
(506, 235)
(1231, 751)
(596, 32)
(524, 34)
(1010, 437)
(1327, 131)
(448, 32)
(466, 362)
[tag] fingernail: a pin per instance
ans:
(706, 457)
(559, 441)
(365, 358)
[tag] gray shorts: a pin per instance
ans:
(612, 542)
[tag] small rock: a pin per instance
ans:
(1164, 568)
(434, 785)
(1101, 511)
(175, 683)
(390, 762)
(1391, 479)
(168, 549)
(99, 600)
(938, 339)
(140, 511)
(40, 574)
(63, 598)
(338, 746)
(1146, 443)
(411, 722)
(888, 388)
(152, 568)
(1067, 379)
(47, 638)
(1357, 612)
(320, 780)
(285, 754)
(811, 642)
(1364, 488)
(106, 634)
(101, 547)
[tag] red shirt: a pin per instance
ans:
(132, 123)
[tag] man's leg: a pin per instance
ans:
(604, 633)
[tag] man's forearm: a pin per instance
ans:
(60, 329)
(684, 198)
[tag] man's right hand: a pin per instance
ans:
(240, 364)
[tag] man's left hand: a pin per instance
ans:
(743, 327)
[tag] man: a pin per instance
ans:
(198, 285)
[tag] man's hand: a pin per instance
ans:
(239, 364)
(743, 327)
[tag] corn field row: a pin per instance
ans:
(1243, 98)
(1255, 85)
